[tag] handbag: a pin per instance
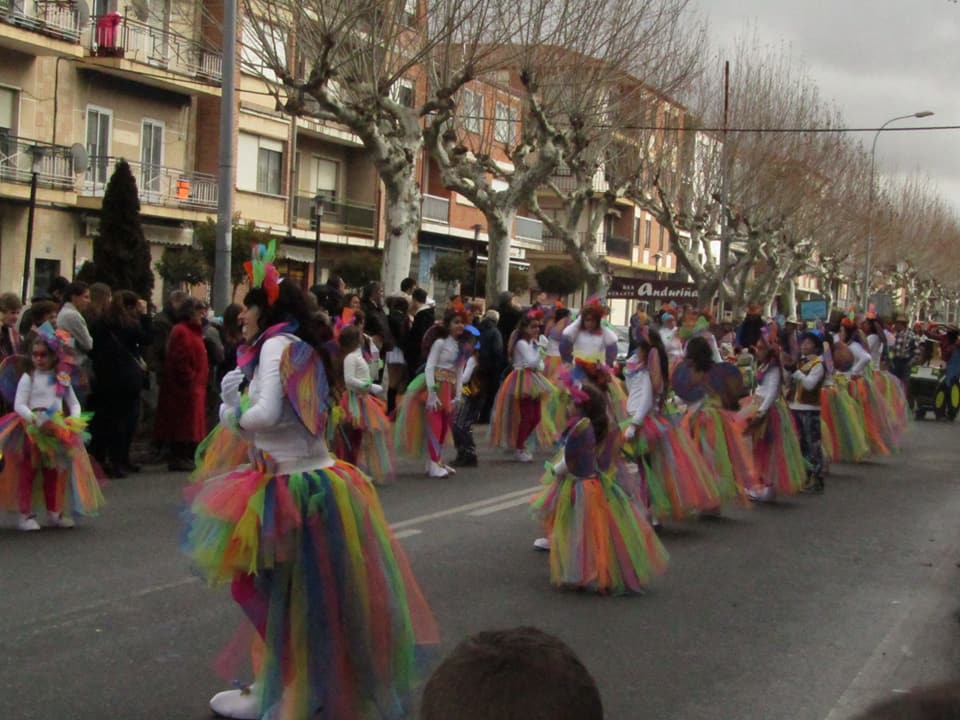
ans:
(138, 361)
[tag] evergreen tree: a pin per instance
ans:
(121, 255)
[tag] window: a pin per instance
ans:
(98, 145)
(8, 110)
(471, 116)
(505, 130)
(661, 245)
(262, 50)
(44, 272)
(151, 157)
(323, 176)
(636, 232)
(259, 164)
(649, 238)
(402, 92)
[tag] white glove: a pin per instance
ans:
(630, 432)
(228, 415)
(433, 402)
(230, 387)
(376, 389)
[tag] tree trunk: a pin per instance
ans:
(403, 225)
(789, 298)
(499, 226)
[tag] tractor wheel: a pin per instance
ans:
(953, 406)
(940, 402)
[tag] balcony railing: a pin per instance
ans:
(119, 36)
(525, 228)
(435, 209)
(555, 245)
(54, 163)
(619, 248)
(55, 19)
(157, 185)
(353, 218)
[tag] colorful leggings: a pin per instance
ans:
(52, 482)
(529, 419)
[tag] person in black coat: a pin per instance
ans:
(423, 319)
(510, 313)
(492, 360)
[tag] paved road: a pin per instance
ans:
(802, 610)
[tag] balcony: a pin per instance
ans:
(555, 245)
(566, 181)
(31, 23)
(122, 46)
(617, 247)
(435, 209)
(349, 217)
(54, 163)
(157, 185)
(529, 229)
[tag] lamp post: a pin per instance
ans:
(37, 152)
(318, 212)
(476, 257)
(873, 163)
(657, 257)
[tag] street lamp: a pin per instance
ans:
(873, 163)
(476, 257)
(657, 257)
(318, 212)
(37, 153)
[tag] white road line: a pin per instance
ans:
(502, 506)
(526, 492)
(407, 533)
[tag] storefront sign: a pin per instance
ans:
(652, 291)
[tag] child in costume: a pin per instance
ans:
(301, 536)
(808, 379)
(556, 322)
(586, 342)
(367, 427)
(472, 398)
(517, 410)
(676, 478)
(42, 447)
(776, 447)
(844, 439)
(427, 407)
(860, 383)
(598, 537)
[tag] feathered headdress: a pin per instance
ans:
(457, 307)
(595, 306)
(261, 272)
(61, 344)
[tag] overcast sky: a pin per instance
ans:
(875, 59)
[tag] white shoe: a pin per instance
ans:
(28, 523)
(764, 493)
(437, 470)
(60, 520)
(542, 544)
(450, 470)
(241, 704)
(522, 456)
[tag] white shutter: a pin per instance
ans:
(8, 100)
(247, 152)
(326, 172)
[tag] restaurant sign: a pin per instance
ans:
(654, 291)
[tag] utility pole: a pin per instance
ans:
(721, 292)
(222, 260)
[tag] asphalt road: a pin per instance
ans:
(807, 609)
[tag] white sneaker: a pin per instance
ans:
(437, 470)
(241, 704)
(764, 493)
(60, 520)
(450, 470)
(28, 523)
(522, 456)
(542, 544)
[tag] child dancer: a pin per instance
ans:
(841, 417)
(472, 397)
(677, 479)
(586, 342)
(808, 379)
(517, 411)
(598, 536)
(876, 422)
(366, 424)
(42, 447)
(425, 412)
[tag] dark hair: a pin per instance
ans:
(123, 308)
(406, 284)
(595, 407)
(398, 304)
(656, 342)
(511, 674)
(560, 314)
(359, 317)
(935, 702)
(39, 308)
(420, 295)
(699, 353)
(186, 309)
(58, 285)
(290, 306)
(443, 330)
(370, 290)
(349, 338)
(231, 321)
(78, 287)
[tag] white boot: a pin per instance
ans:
(542, 544)
(27, 523)
(241, 704)
(59, 520)
(437, 470)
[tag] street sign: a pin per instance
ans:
(653, 291)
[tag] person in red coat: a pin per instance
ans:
(181, 414)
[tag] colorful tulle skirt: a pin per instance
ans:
(366, 413)
(720, 436)
(29, 449)
(842, 424)
(678, 481)
(412, 432)
(220, 452)
(891, 390)
(319, 575)
(552, 365)
(618, 399)
(524, 384)
(599, 537)
(876, 414)
(776, 451)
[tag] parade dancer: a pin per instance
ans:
(301, 537)
(808, 379)
(587, 342)
(860, 384)
(776, 447)
(366, 425)
(472, 399)
(598, 537)
(556, 323)
(42, 440)
(844, 438)
(517, 411)
(425, 412)
(676, 479)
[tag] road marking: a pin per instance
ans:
(407, 533)
(189, 580)
(502, 506)
(463, 508)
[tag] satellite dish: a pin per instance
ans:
(80, 159)
(140, 9)
(83, 12)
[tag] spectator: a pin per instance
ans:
(100, 297)
(352, 301)
(904, 348)
(492, 361)
(181, 414)
(40, 311)
(336, 288)
(399, 323)
(509, 308)
(377, 326)
(518, 674)
(10, 307)
(70, 318)
(423, 318)
(407, 286)
(232, 337)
